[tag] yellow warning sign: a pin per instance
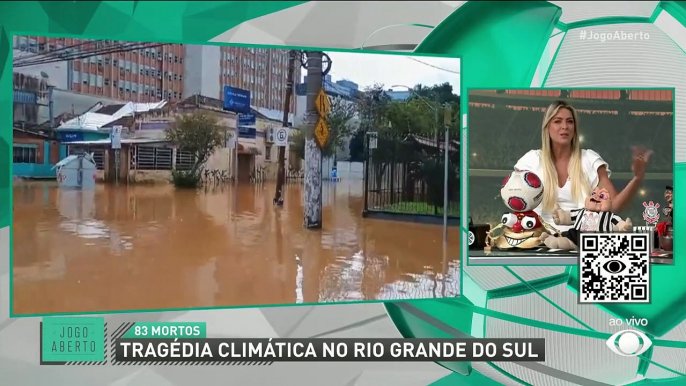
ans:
(322, 103)
(321, 133)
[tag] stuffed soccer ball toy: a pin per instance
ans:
(522, 191)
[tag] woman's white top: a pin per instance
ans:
(590, 162)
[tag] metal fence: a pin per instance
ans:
(98, 154)
(405, 174)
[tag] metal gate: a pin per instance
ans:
(404, 174)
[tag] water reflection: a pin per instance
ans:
(153, 247)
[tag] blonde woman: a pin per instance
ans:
(569, 173)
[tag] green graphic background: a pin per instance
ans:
(500, 46)
(80, 345)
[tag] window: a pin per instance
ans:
(107, 82)
(98, 80)
(268, 152)
(180, 77)
(115, 63)
(84, 78)
(25, 155)
(176, 59)
(91, 79)
(33, 45)
(184, 160)
(114, 83)
(134, 67)
(127, 86)
(23, 43)
(77, 77)
(153, 158)
(107, 61)
(99, 60)
(134, 87)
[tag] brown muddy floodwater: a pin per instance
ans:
(156, 247)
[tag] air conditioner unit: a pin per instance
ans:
(270, 135)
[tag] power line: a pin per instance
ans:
(83, 55)
(74, 49)
(431, 65)
(53, 53)
(117, 48)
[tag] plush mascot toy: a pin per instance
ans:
(595, 216)
(669, 196)
(522, 192)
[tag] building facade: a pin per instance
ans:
(171, 72)
(34, 155)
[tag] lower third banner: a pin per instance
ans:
(266, 351)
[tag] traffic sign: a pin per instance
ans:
(322, 103)
(321, 133)
(373, 136)
(447, 115)
(115, 137)
(281, 137)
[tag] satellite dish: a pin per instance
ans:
(44, 75)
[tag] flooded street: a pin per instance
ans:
(156, 247)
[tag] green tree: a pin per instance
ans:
(422, 114)
(200, 134)
(297, 144)
(440, 95)
(340, 126)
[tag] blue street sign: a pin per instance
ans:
(70, 137)
(236, 100)
(247, 132)
(246, 119)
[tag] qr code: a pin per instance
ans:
(614, 268)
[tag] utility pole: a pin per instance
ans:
(281, 176)
(447, 118)
(313, 154)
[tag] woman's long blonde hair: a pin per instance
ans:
(580, 185)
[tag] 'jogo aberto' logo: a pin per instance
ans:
(651, 214)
